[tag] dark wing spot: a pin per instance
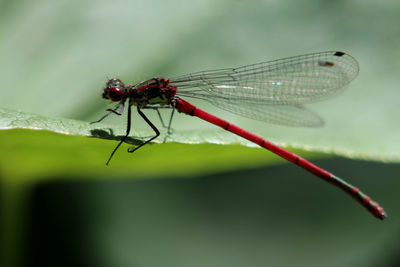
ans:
(339, 54)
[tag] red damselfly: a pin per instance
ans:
(272, 91)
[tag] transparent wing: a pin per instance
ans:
(290, 81)
(288, 115)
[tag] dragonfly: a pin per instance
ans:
(272, 91)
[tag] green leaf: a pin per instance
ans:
(20, 120)
(45, 153)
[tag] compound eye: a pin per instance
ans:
(115, 94)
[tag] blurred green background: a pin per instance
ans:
(204, 198)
